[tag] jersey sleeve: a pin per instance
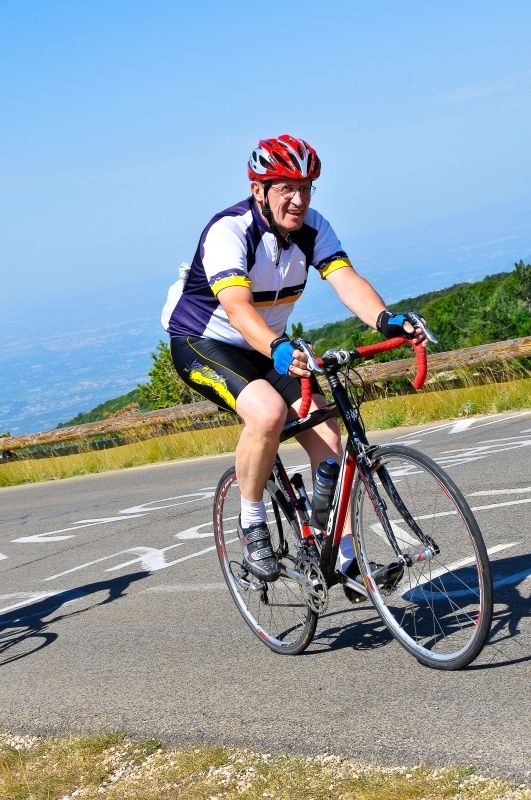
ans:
(328, 254)
(225, 256)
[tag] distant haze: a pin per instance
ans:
(126, 126)
(98, 346)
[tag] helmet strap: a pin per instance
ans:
(284, 241)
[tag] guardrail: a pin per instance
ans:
(161, 420)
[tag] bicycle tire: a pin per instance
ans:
(440, 607)
(277, 613)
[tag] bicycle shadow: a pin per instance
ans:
(511, 606)
(26, 629)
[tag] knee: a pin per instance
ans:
(264, 412)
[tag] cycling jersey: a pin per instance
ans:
(237, 248)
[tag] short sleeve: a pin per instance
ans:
(225, 256)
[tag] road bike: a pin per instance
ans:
(421, 556)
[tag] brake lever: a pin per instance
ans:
(307, 349)
(415, 319)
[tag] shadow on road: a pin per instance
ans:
(507, 643)
(26, 630)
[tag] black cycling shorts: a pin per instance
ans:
(220, 371)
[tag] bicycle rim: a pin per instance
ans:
(276, 612)
(439, 606)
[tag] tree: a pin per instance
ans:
(165, 387)
(297, 330)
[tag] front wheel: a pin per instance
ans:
(428, 574)
(277, 612)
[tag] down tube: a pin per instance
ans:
(336, 521)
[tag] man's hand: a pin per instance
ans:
(392, 324)
(287, 360)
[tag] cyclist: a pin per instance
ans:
(228, 328)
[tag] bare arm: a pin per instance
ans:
(357, 294)
(243, 316)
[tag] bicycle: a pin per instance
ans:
(422, 559)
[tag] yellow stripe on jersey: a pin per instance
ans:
(232, 280)
(290, 299)
(338, 263)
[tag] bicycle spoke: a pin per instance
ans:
(441, 608)
(276, 612)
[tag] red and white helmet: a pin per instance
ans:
(284, 157)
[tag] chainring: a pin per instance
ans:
(315, 590)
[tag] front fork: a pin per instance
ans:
(428, 547)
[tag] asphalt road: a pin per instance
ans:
(114, 615)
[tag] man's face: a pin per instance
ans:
(288, 201)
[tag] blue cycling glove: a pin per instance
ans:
(391, 324)
(282, 354)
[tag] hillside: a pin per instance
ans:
(466, 314)
(109, 408)
(463, 315)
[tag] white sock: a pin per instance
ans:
(252, 512)
(346, 553)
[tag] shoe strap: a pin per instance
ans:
(256, 535)
(259, 555)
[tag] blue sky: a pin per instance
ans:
(126, 125)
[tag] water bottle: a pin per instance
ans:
(174, 293)
(323, 492)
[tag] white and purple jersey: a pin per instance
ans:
(237, 248)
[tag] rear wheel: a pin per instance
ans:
(277, 612)
(435, 596)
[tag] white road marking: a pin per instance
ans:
(108, 558)
(127, 513)
(402, 536)
(2, 556)
(495, 421)
(516, 577)
(462, 425)
(51, 536)
(150, 558)
(182, 499)
(500, 491)
(193, 533)
(502, 505)
(26, 599)
(453, 425)
(472, 508)
(436, 573)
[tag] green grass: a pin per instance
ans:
(389, 412)
(112, 767)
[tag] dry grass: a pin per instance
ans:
(468, 401)
(389, 412)
(183, 444)
(116, 768)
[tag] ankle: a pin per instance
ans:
(252, 512)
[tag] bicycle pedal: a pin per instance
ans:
(387, 577)
(242, 577)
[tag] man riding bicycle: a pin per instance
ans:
(228, 328)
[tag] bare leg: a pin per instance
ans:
(264, 413)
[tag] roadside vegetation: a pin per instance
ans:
(494, 309)
(467, 314)
(386, 412)
(113, 767)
